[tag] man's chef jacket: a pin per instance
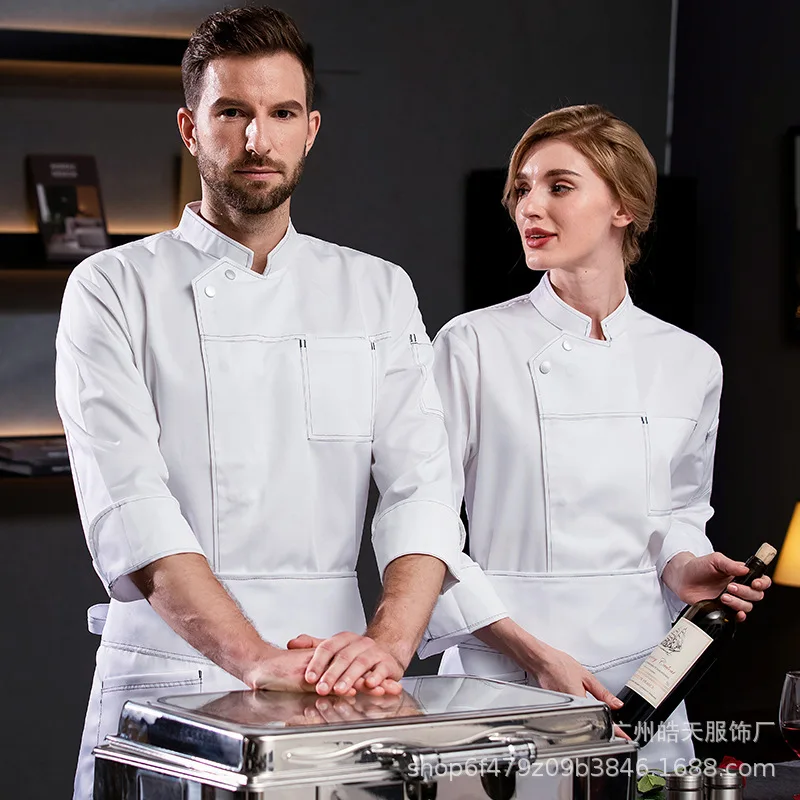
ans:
(211, 409)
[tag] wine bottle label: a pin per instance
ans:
(669, 662)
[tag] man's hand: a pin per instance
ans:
(347, 663)
(282, 671)
(373, 663)
(694, 578)
(189, 598)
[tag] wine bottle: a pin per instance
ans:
(675, 666)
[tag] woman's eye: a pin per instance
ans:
(520, 191)
(561, 188)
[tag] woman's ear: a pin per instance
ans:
(621, 218)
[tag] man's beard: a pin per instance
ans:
(239, 194)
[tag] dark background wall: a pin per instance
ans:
(737, 91)
(415, 96)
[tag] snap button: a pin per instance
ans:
(567, 345)
(230, 274)
(545, 367)
(210, 291)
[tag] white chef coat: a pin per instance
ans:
(586, 465)
(211, 409)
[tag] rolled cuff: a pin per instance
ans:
(682, 538)
(133, 534)
(419, 527)
(471, 604)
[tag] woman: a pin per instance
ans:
(582, 435)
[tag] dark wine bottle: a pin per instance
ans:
(675, 666)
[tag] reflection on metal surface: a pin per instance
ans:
(446, 737)
(499, 786)
(427, 764)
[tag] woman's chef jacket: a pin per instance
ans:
(211, 409)
(586, 466)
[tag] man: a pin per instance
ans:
(225, 389)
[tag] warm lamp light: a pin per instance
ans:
(788, 570)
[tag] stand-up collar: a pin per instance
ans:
(205, 237)
(567, 318)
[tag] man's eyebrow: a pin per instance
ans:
(291, 105)
(225, 102)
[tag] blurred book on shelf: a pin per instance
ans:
(34, 455)
(65, 191)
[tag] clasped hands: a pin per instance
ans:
(342, 665)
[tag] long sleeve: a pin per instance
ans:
(473, 603)
(129, 516)
(411, 467)
(692, 476)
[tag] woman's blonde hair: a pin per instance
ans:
(615, 151)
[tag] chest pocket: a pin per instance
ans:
(595, 469)
(665, 442)
(339, 384)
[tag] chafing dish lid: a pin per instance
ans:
(258, 732)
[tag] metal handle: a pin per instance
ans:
(427, 763)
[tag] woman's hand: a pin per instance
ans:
(560, 672)
(694, 578)
(552, 668)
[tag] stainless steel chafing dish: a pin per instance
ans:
(446, 737)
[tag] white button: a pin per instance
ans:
(567, 345)
(545, 367)
(210, 291)
(230, 274)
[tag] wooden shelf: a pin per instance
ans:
(90, 48)
(63, 76)
(22, 256)
(70, 62)
(5, 476)
(27, 281)
(34, 274)
(40, 442)
(41, 64)
(40, 496)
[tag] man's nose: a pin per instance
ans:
(258, 140)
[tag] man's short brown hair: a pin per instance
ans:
(248, 31)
